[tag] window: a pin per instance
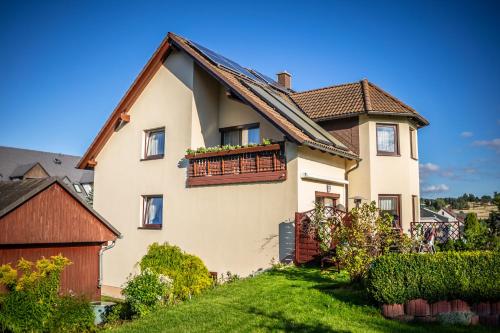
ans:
(87, 188)
(152, 211)
(413, 143)
(416, 207)
(390, 204)
(240, 135)
(77, 188)
(327, 199)
(154, 146)
(387, 140)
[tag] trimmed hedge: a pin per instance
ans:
(471, 276)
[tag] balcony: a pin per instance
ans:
(265, 163)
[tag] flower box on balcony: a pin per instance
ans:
(242, 165)
(237, 151)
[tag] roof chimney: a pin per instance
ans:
(285, 79)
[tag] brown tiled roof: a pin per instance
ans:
(350, 99)
(319, 104)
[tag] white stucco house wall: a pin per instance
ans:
(233, 206)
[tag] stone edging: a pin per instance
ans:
(486, 313)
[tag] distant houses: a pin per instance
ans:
(22, 164)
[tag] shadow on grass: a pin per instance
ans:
(281, 322)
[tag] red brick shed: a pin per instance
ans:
(44, 217)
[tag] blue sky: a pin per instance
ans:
(66, 64)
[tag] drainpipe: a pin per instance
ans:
(347, 185)
(101, 251)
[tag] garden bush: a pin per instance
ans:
(470, 276)
(33, 303)
(364, 236)
(146, 291)
(189, 274)
(72, 314)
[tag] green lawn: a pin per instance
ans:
(293, 300)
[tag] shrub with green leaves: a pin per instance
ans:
(364, 236)
(189, 274)
(72, 314)
(471, 276)
(33, 304)
(146, 291)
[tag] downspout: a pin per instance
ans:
(101, 251)
(347, 185)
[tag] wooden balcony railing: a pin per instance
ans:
(243, 165)
(443, 230)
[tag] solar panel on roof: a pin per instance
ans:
(266, 79)
(263, 77)
(294, 115)
(223, 61)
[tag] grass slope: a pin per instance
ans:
(292, 300)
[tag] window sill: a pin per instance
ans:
(154, 157)
(415, 159)
(390, 155)
(151, 227)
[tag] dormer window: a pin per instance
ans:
(387, 140)
(154, 144)
(240, 135)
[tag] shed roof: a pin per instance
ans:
(14, 193)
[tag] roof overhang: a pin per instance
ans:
(125, 103)
(170, 43)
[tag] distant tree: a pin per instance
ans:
(485, 199)
(439, 203)
(493, 223)
(496, 199)
(475, 232)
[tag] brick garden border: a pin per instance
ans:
(485, 313)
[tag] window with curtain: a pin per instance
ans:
(390, 204)
(155, 143)
(152, 211)
(240, 135)
(232, 138)
(387, 139)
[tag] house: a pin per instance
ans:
(428, 215)
(450, 215)
(229, 204)
(446, 226)
(45, 217)
(19, 164)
